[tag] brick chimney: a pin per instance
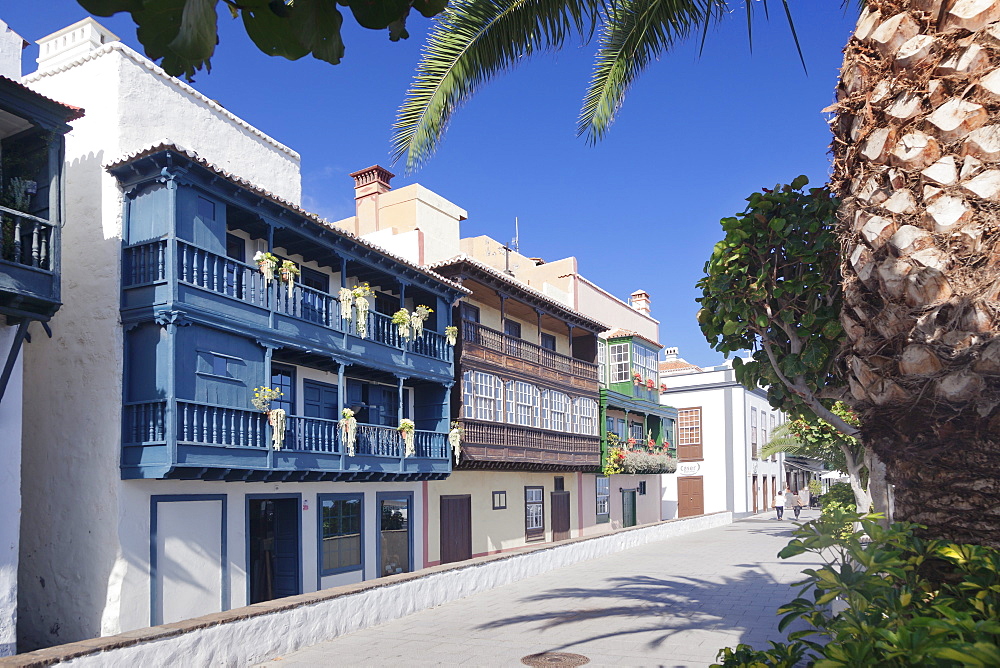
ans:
(72, 42)
(639, 300)
(368, 185)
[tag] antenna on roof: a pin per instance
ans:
(517, 235)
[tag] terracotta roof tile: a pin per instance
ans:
(167, 145)
(72, 113)
(619, 333)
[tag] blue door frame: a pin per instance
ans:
(406, 497)
(284, 540)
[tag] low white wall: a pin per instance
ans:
(250, 640)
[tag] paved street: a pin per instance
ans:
(670, 603)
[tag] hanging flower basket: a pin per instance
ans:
(417, 319)
(451, 335)
(406, 430)
(401, 319)
(362, 305)
(663, 388)
(636, 378)
(650, 384)
(288, 273)
(276, 418)
(346, 298)
(268, 264)
(455, 440)
(348, 430)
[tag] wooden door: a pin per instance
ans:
(273, 549)
(628, 508)
(456, 528)
(753, 493)
(767, 497)
(560, 515)
(690, 496)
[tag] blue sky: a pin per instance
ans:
(695, 137)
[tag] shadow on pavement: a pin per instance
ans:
(744, 606)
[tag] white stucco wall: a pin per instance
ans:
(725, 421)
(137, 105)
(10, 492)
(83, 571)
(258, 638)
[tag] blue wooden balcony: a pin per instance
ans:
(29, 278)
(190, 440)
(225, 290)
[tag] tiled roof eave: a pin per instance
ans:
(495, 274)
(167, 145)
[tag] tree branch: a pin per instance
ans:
(800, 390)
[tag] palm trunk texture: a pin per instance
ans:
(917, 165)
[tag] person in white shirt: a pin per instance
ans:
(779, 504)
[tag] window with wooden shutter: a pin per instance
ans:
(689, 434)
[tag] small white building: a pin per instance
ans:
(728, 424)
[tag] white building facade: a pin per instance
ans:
(729, 424)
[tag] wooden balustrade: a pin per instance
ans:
(498, 443)
(26, 239)
(491, 339)
(146, 264)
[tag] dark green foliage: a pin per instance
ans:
(839, 492)
(182, 34)
(774, 282)
(909, 601)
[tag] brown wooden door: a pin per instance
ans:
(753, 493)
(767, 497)
(560, 515)
(690, 496)
(456, 528)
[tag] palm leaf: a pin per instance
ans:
(782, 440)
(635, 33)
(473, 40)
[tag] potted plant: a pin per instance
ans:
(267, 263)
(636, 378)
(663, 388)
(406, 430)
(455, 440)
(401, 319)
(650, 384)
(348, 430)
(451, 334)
(262, 398)
(417, 319)
(288, 273)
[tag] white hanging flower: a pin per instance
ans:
(276, 418)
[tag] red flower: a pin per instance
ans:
(631, 441)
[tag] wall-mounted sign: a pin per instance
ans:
(689, 468)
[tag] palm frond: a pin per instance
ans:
(472, 40)
(635, 33)
(782, 440)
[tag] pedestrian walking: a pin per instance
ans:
(789, 499)
(797, 505)
(779, 504)
(804, 495)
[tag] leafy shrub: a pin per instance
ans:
(840, 493)
(909, 601)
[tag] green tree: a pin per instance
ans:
(182, 34)
(818, 439)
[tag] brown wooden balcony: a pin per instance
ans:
(488, 445)
(507, 352)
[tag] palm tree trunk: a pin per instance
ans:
(917, 166)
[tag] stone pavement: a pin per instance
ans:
(671, 603)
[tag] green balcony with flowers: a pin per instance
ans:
(638, 434)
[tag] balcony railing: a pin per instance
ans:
(26, 239)
(491, 339)
(235, 429)
(146, 264)
(492, 442)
